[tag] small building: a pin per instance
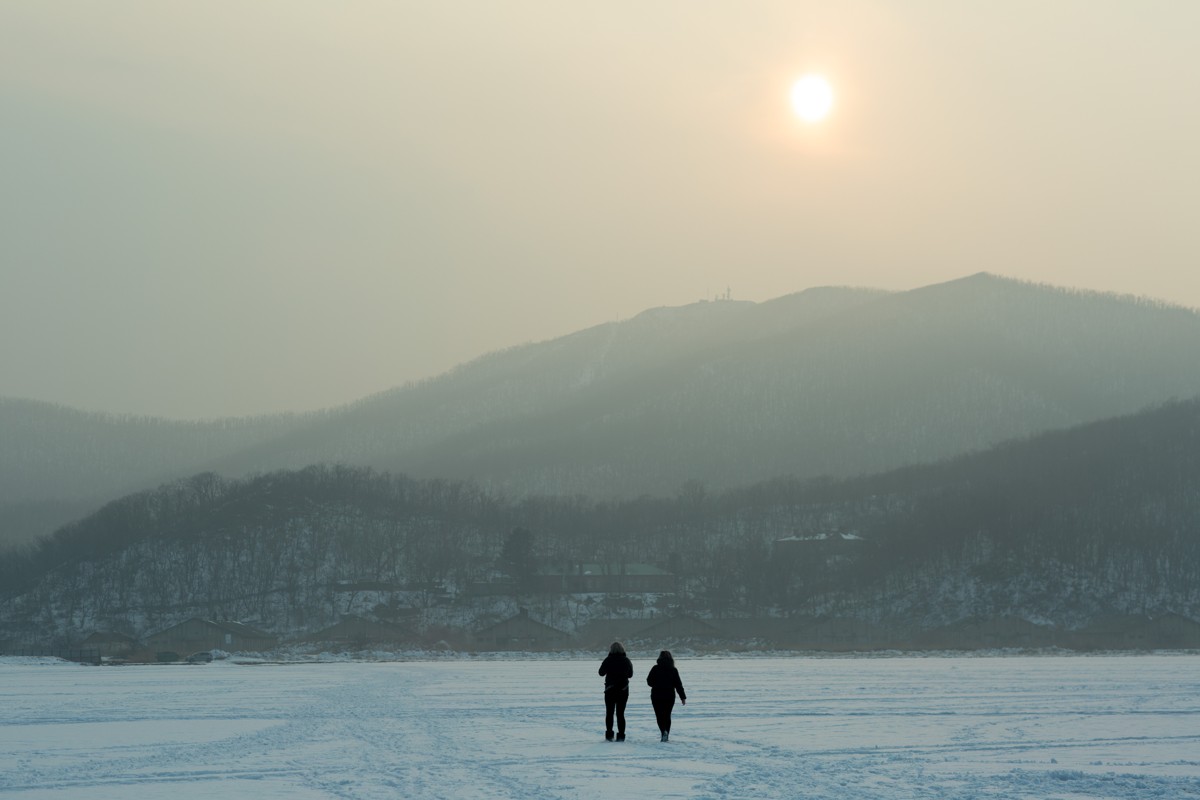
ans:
(205, 634)
(778, 631)
(1174, 631)
(974, 634)
(842, 633)
(818, 544)
(503, 587)
(1115, 632)
(110, 644)
(521, 632)
(358, 632)
(678, 628)
(600, 633)
(630, 578)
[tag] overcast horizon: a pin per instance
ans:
(226, 209)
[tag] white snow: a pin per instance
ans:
(1046, 727)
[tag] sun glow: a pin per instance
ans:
(812, 98)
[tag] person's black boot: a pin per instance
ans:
(608, 736)
(620, 737)
(665, 735)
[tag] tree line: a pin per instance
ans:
(1104, 517)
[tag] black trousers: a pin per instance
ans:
(614, 702)
(663, 703)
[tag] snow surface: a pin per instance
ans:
(1059, 727)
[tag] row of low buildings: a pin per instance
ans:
(189, 636)
(588, 578)
(640, 578)
(1116, 632)
(583, 578)
(523, 631)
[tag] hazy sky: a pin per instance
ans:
(214, 208)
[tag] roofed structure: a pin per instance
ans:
(1005, 631)
(676, 628)
(521, 632)
(842, 633)
(109, 644)
(358, 632)
(196, 634)
(620, 577)
(600, 633)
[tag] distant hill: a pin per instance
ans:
(57, 463)
(549, 417)
(825, 382)
(832, 381)
(1065, 528)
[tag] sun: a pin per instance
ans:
(812, 98)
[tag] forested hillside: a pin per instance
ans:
(1061, 528)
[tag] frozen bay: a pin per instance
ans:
(1068, 727)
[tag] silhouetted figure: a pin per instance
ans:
(664, 683)
(617, 669)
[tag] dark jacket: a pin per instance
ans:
(617, 669)
(664, 680)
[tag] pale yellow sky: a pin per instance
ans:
(214, 208)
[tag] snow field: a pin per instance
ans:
(1064, 728)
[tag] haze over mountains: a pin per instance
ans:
(832, 381)
(56, 463)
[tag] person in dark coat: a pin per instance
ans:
(664, 682)
(617, 669)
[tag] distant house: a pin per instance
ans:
(842, 633)
(600, 633)
(676, 628)
(823, 544)
(109, 644)
(1115, 632)
(582, 578)
(358, 632)
(1174, 631)
(521, 632)
(205, 634)
(971, 634)
(494, 588)
(773, 630)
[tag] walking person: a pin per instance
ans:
(664, 682)
(617, 669)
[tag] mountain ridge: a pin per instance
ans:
(829, 380)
